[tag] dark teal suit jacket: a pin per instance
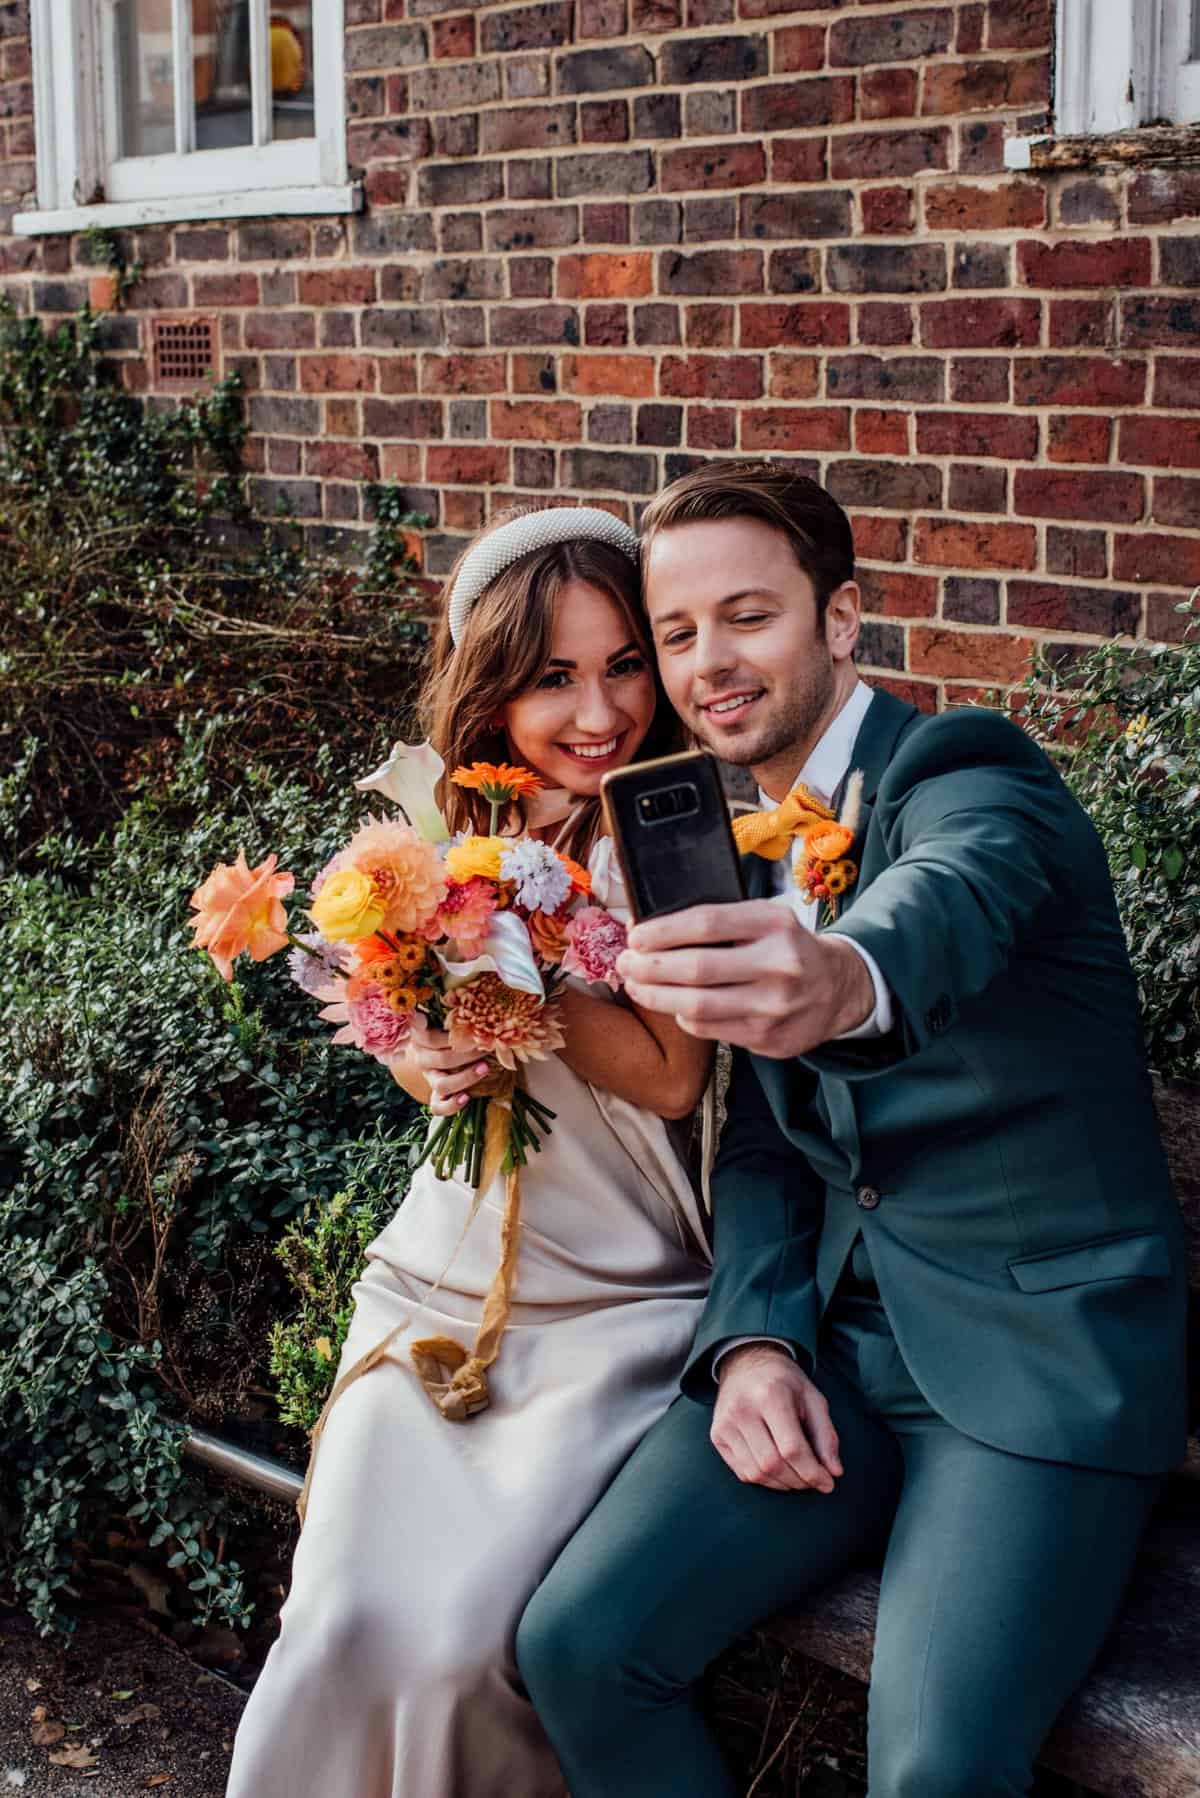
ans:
(1025, 1239)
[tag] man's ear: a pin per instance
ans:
(843, 619)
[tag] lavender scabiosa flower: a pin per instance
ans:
(311, 971)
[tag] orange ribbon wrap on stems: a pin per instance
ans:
(455, 1377)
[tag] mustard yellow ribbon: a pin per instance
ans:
(770, 834)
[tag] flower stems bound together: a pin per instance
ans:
(456, 1144)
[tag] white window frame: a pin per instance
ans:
(1119, 64)
(80, 182)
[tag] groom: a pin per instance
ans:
(946, 1318)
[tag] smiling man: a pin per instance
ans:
(946, 1320)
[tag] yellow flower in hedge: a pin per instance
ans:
(348, 906)
(476, 858)
(324, 1348)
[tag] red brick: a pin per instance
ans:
(804, 213)
(1167, 621)
(1081, 553)
(1148, 322)
(525, 326)
(977, 434)
(793, 377)
(903, 35)
(887, 94)
(803, 322)
(969, 36)
(887, 593)
(537, 421)
(605, 222)
(879, 539)
(344, 286)
(1176, 501)
(1111, 262)
(467, 464)
(397, 374)
(604, 121)
(1168, 561)
(454, 36)
(1039, 605)
(1163, 196)
(400, 462)
(952, 88)
(1160, 442)
(387, 186)
(885, 322)
(1078, 381)
(629, 376)
(886, 210)
(795, 428)
(280, 331)
(709, 327)
(1118, 498)
(884, 483)
(338, 374)
(710, 272)
(963, 543)
(233, 289)
(1019, 24)
(600, 275)
(798, 49)
(602, 18)
(889, 378)
(799, 159)
(711, 377)
(1083, 324)
(798, 105)
(462, 374)
(342, 461)
(1079, 437)
(973, 655)
(1177, 381)
(971, 206)
(878, 433)
(402, 418)
(978, 323)
(606, 327)
(712, 166)
(978, 487)
(876, 155)
(532, 374)
(712, 427)
(343, 418)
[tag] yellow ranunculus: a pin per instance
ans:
(476, 857)
(347, 907)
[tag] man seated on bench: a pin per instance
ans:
(946, 1323)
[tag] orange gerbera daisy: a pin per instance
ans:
(498, 782)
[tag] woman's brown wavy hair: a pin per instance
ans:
(505, 650)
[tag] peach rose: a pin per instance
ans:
(239, 910)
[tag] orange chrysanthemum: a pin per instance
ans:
(239, 911)
(498, 782)
(487, 1016)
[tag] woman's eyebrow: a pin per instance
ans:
(561, 661)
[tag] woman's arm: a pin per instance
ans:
(642, 1056)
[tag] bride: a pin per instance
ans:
(394, 1675)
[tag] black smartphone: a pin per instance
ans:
(670, 823)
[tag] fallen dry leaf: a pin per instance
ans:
(33, 1685)
(153, 1588)
(78, 1755)
(141, 1713)
(43, 1730)
(159, 1779)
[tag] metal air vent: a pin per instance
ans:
(185, 352)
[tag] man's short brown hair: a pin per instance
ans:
(811, 519)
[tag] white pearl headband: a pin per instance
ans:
(535, 530)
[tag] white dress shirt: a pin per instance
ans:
(823, 773)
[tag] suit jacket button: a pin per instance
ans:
(867, 1197)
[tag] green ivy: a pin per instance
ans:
(1124, 723)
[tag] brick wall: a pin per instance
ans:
(605, 238)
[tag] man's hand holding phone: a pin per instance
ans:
(748, 974)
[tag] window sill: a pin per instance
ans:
(266, 203)
(1159, 144)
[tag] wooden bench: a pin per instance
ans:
(1133, 1729)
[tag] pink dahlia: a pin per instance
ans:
(487, 1016)
(367, 1021)
(594, 940)
(404, 869)
(465, 915)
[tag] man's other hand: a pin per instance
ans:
(771, 1425)
(748, 974)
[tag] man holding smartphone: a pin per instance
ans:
(946, 1319)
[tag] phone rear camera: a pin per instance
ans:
(665, 803)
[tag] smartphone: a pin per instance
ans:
(670, 823)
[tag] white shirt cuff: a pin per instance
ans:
(882, 1018)
(734, 1342)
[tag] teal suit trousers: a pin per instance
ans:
(1002, 1575)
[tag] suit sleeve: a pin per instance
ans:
(983, 842)
(767, 1208)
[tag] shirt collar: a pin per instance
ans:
(829, 763)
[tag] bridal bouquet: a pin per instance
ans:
(473, 934)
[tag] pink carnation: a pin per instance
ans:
(465, 914)
(594, 940)
(368, 1021)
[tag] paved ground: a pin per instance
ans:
(124, 1704)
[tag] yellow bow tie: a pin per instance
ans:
(770, 834)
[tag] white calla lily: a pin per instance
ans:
(409, 779)
(507, 951)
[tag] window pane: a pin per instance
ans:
(291, 69)
(221, 65)
(145, 96)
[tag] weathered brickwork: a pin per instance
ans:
(604, 239)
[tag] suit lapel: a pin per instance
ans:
(886, 722)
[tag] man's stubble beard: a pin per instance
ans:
(803, 710)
